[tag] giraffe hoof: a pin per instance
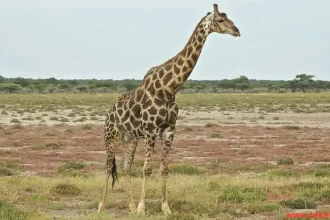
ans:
(166, 209)
(101, 207)
(141, 209)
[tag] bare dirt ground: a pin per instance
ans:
(197, 141)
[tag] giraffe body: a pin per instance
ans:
(150, 112)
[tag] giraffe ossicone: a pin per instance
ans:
(149, 111)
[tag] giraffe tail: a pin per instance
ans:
(114, 173)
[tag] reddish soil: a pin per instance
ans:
(246, 147)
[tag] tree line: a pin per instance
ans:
(301, 83)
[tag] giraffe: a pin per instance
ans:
(149, 111)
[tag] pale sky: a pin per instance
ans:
(107, 39)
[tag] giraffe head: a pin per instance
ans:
(220, 23)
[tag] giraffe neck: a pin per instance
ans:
(179, 68)
(164, 81)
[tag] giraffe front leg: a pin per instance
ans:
(166, 144)
(150, 144)
(128, 160)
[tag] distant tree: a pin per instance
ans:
(22, 81)
(73, 82)
(51, 80)
(304, 81)
(128, 85)
(2, 79)
(40, 87)
(10, 87)
(319, 85)
(199, 87)
(64, 87)
(82, 88)
(242, 83)
(214, 88)
(293, 84)
(51, 89)
(226, 84)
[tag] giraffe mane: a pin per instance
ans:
(172, 58)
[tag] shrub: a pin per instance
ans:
(53, 118)
(48, 146)
(5, 171)
(93, 118)
(291, 127)
(72, 169)
(185, 169)
(285, 161)
(71, 165)
(188, 129)
(215, 135)
(260, 207)
(298, 203)
(15, 120)
(69, 131)
(71, 115)
(65, 190)
(28, 118)
(64, 120)
(17, 126)
(82, 119)
(208, 125)
(87, 127)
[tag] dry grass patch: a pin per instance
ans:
(48, 146)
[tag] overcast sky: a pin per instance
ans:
(107, 39)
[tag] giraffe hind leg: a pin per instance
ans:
(111, 142)
(166, 145)
(147, 170)
(129, 153)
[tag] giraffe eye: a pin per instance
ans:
(220, 21)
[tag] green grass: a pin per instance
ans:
(229, 193)
(271, 102)
(10, 212)
(206, 196)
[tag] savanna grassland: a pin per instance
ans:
(234, 156)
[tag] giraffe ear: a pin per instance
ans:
(210, 16)
(208, 13)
